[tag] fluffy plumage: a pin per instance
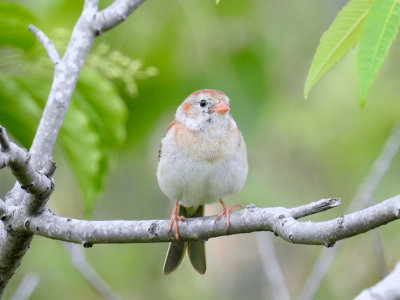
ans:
(202, 158)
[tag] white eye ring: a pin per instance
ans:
(203, 103)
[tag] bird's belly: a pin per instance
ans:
(195, 182)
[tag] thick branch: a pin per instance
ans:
(361, 199)
(65, 77)
(38, 184)
(282, 221)
(15, 243)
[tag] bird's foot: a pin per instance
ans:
(174, 220)
(226, 211)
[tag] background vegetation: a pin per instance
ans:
(258, 52)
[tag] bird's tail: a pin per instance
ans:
(196, 249)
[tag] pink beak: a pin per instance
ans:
(221, 108)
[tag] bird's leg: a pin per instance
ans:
(174, 220)
(226, 211)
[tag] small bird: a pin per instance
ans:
(202, 158)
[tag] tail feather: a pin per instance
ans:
(197, 255)
(196, 249)
(175, 254)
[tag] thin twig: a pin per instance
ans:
(378, 170)
(47, 44)
(363, 196)
(4, 141)
(26, 287)
(378, 252)
(81, 264)
(271, 267)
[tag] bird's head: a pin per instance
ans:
(205, 108)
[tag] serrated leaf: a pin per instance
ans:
(19, 113)
(101, 101)
(342, 35)
(379, 31)
(94, 124)
(14, 21)
(86, 154)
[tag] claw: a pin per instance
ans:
(174, 220)
(226, 211)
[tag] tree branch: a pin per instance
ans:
(26, 287)
(388, 288)
(114, 14)
(3, 210)
(47, 44)
(37, 183)
(15, 243)
(38, 186)
(282, 221)
(271, 267)
(78, 259)
(362, 198)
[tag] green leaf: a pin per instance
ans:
(378, 34)
(101, 101)
(82, 146)
(341, 36)
(19, 112)
(14, 21)
(94, 125)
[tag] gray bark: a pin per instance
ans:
(387, 289)
(282, 221)
(24, 213)
(28, 200)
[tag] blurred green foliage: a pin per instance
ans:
(94, 126)
(258, 53)
(14, 20)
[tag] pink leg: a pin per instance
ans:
(226, 211)
(174, 220)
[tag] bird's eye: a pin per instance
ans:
(203, 102)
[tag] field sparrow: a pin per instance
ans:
(202, 158)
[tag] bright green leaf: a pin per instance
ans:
(14, 21)
(94, 124)
(100, 100)
(378, 34)
(82, 146)
(19, 113)
(341, 36)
